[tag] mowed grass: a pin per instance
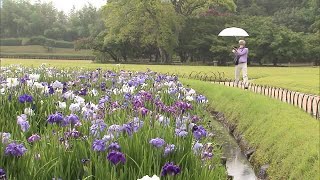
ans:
(283, 136)
(303, 79)
(36, 49)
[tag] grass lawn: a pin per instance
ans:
(304, 79)
(283, 136)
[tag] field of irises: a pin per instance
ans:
(103, 124)
(301, 79)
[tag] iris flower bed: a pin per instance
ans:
(103, 124)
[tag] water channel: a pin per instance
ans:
(237, 164)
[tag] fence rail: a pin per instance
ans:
(308, 102)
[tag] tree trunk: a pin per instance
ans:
(275, 62)
(162, 55)
(113, 55)
(157, 57)
(183, 57)
(168, 58)
(125, 58)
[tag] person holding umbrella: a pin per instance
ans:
(241, 59)
(241, 53)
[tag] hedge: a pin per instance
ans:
(36, 40)
(45, 56)
(11, 42)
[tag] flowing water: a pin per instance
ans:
(237, 164)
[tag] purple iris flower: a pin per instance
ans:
(182, 122)
(197, 147)
(114, 147)
(99, 145)
(64, 89)
(195, 119)
(34, 138)
(138, 103)
(157, 142)
(82, 77)
(51, 90)
(25, 98)
(74, 134)
(24, 79)
(127, 128)
(15, 149)
(136, 124)
(55, 118)
(170, 109)
(144, 111)
(103, 86)
(201, 99)
(104, 99)
(170, 169)
(181, 132)
(130, 83)
(173, 90)
(2, 174)
(116, 157)
(115, 104)
(83, 92)
(115, 129)
(169, 149)
(5, 137)
(22, 121)
(127, 96)
(71, 119)
(142, 80)
(183, 105)
(97, 127)
(199, 132)
(207, 155)
(90, 114)
(147, 96)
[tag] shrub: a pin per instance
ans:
(63, 44)
(37, 40)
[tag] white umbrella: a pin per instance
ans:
(233, 31)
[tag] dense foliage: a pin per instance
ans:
(20, 18)
(165, 31)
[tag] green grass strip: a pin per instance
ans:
(284, 136)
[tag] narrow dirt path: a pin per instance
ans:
(308, 102)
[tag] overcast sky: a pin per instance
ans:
(66, 5)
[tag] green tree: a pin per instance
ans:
(147, 23)
(195, 7)
(312, 43)
(198, 41)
